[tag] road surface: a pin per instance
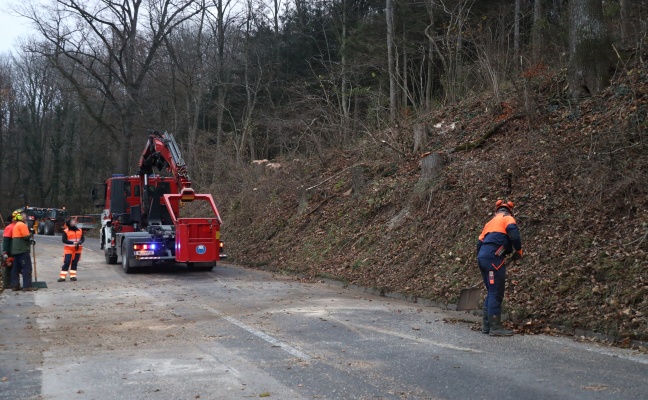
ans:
(237, 333)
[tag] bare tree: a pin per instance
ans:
(589, 48)
(7, 97)
(190, 50)
(111, 46)
(538, 30)
(37, 93)
(449, 46)
(516, 27)
(221, 10)
(624, 20)
(391, 61)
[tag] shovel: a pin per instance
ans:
(35, 283)
(469, 298)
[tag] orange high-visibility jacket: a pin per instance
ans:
(501, 231)
(71, 238)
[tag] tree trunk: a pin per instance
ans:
(343, 89)
(589, 48)
(624, 21)
(516, 29)
(539, 28)
(391, 61)
(220, 101)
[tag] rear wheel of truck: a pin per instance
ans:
(126, 261)
(41, 228)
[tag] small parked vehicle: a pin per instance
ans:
(84, 222)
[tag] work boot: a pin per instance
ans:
(496, 328)
(485, 323)
(73, 279)
(30, 289)
(16, 288)
(61, 280)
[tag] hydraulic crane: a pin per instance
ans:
(143, 220)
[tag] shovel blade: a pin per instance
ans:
(469, 299)
(40, 285)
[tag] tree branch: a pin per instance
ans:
(481, 140)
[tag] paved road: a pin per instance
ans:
(236, 333)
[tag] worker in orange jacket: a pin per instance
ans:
(499, 238)
(73, 240)
(7, 259)
(22, 238)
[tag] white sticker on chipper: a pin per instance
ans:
(201, 249)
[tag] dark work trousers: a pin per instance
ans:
(495, 295)
(68, 258)
(22, 265)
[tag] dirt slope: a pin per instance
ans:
(578, 174)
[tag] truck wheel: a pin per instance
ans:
(126, 261)
(110, 259)
(49, 228)
(41, 228)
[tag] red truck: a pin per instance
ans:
(146, 217)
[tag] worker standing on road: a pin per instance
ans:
(7, 259)
(499, 238)
(21, 240)
(73, 239)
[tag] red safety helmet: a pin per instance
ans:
(501, 204)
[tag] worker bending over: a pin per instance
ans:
(499, 238)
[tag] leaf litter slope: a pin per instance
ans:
(577, 172)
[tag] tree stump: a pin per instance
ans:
(303, 202)
(420, 137)
(358, 179)
(431, 166)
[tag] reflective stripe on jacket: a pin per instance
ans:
(71, 238)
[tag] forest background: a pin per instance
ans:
(362, 140)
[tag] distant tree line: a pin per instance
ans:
(238, 80)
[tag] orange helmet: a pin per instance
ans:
(501, 204)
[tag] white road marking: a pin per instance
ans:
(275, 342)
(404, 336)
(593, 348)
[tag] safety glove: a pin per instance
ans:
(518, 255)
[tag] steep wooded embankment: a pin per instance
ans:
(577, 172)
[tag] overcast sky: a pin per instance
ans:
(11, 27)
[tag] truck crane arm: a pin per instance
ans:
(162, 153)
